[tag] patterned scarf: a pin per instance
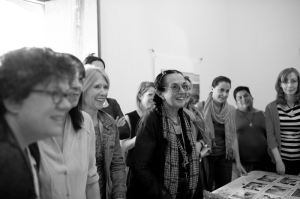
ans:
(227, 117)
(171, 169)
(200, 124)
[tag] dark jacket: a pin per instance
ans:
(16, 178)
(147, 177)
(114, 110)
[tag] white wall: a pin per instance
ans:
(22, 24)
(248, 41)
(71, 26)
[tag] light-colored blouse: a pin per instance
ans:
(65, 174)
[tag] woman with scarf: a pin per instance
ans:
(165, 162)
(220, 118)
(109, 160)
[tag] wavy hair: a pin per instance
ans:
(159, 84)
(282, 77)
(22, 69)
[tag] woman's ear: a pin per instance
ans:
(12, 106)
(139, 96)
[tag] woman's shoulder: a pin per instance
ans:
(272, 104)
(150, 116)
(112, 101)
(88, 124)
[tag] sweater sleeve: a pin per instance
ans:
(144, 152)
(271, 136)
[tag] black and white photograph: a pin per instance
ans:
(241, 194)
(268, 178)
(296, 193)
(278, 190)
(255, 186)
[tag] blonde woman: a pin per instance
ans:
(109, 159)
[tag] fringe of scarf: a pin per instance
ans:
(171, 168)
(227, 117)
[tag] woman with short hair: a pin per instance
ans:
(109, 159)
(111, 106)
(283, 123)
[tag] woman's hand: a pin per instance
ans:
(205, 151)
(280, 168)
(241, 169)
(120, 121)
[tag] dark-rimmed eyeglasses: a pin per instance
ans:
(56, 95)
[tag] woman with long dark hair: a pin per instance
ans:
(68, 163)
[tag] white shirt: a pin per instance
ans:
(65, 174)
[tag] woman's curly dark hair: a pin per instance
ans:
(22, 69)
(159, 84)
(282, 77)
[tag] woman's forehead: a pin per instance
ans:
(174, 78)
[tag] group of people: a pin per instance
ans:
(61, 137)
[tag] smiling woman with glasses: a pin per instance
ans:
(33, 104)
(282, 123)
(165, 163)
(68, 166)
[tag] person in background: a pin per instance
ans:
(111, 106)
(220, 119)
(68, 163)
(165, 162)
(34, 84)
(109, 159)
(283, 123)
(201, 132)
(251, 133)
(144, 102)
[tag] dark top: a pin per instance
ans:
(147, 178)
(16, 178)
(219, 148)
(114, 110)
(252, 139)
(134, 118)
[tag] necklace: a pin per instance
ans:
(291, 113)
(250, 122)
(182, 149)
(174, 122)
(183, 152)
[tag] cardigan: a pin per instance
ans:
(273, 127)
(16, 177)
(147, 177)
